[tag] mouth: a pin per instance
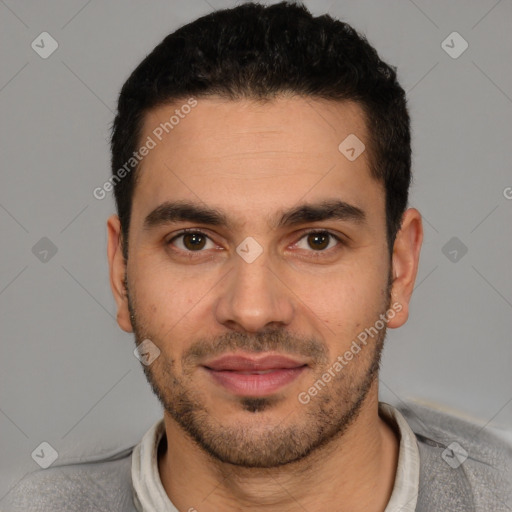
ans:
(250, 376)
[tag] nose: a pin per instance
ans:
(253, 298)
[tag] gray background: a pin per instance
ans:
(68, 375)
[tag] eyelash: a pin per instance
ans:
(193, 231)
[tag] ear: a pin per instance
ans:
(117, 266)
(405, 261)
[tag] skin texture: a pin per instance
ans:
(300, 297)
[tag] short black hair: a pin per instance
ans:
(258, 52)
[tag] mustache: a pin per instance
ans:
(265, 341)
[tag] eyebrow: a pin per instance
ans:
(179, 211)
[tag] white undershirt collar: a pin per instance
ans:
(150, 496)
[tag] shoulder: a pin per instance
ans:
(101, 485)
(463, 465)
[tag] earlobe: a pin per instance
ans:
(406, 254)
(117, 271)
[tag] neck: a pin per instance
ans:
(354, 472)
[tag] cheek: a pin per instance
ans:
(344, 301)
(169, 300)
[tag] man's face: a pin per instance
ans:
(307, 297)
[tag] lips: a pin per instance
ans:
(241, 363)
(249, 376)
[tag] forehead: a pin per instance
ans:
(250, 158)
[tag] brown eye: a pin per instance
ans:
(191, 241)
(318, 241)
